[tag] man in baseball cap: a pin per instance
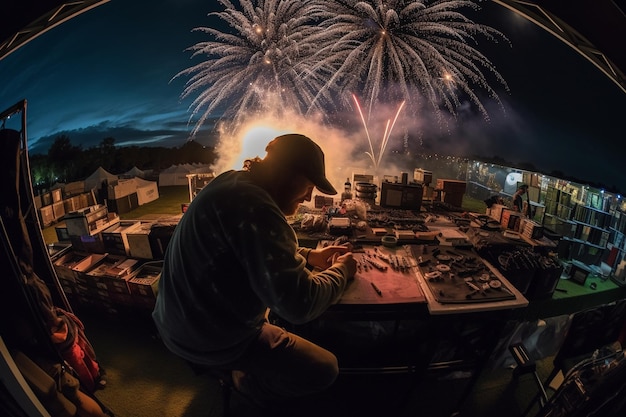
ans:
(233, 256)
(301, 154)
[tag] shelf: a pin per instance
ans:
(590, 225)
(584, 242)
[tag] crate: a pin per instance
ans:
(64, 266)
(115, 238)
(57, 195)
(46, 216)
(159, 237)
(97, 277)
(139, 241)
(90, 220)
(451, 186)
(72, 204)
(58, 210)
(144, 284)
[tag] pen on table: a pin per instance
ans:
(378, 291)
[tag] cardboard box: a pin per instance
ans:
(511, 219)
(115, 238)
(57, 195)
(87, 264)
(72, 204)
(495, 212)
(451, 186)
(144, 284)
(46, 215)
(58, 209)
(530, 229)
(159, 237)
(64, 266)
(422, 176)
(139, 241)
(90, 220)
(455, 199)
(98, 275)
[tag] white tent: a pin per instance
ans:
(134, 172)
(146, 191)
(174, 175)
(95, 180)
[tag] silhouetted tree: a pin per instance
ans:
(64, 157)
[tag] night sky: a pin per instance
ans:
(107, 73)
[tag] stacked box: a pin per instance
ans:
(530, 229)
(90, 262)
(72, 204)
(510, 219)
(58, 210)
(79, 269)
(46, 199)
(495, 212)
(451, 186)
(46, 215)
(139, 241)
(159, 237)
(452, 191)
(422, 176)
(115, 238)
(57, 195)
(64, 268)
(144, 284)
(90, 220)
(109, 280)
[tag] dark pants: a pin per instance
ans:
(279, 365)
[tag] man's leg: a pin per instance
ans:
(281, 365)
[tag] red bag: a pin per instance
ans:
(77, 351)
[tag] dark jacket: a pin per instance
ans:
(232, 256)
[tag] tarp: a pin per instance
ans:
(147, 191)
(95, 180)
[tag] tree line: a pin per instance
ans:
(66, 162)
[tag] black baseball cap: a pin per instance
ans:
(302, 155)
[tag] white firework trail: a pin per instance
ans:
(386, 135)
(261, 63)
(393, 50)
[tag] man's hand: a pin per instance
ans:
(322, 258)
(348, 260)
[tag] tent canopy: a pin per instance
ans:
(24, 20)
(99, 175)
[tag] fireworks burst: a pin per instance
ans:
(262, 64)
(301, 56)
(395, 50)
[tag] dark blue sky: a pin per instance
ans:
(107, 73)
